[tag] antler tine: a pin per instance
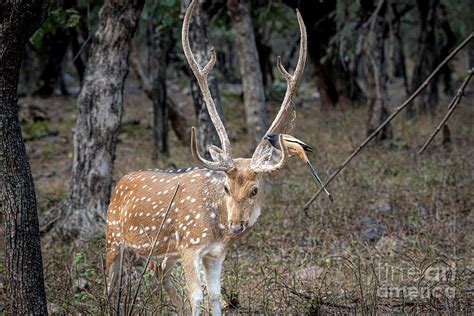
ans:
(261, 168)
(292, 85)
(214, 165)
(201, 77)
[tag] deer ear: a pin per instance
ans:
(216, 152)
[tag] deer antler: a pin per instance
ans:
(225, 162)
(260, 167)
(292, 84)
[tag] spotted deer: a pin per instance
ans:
(214, 205)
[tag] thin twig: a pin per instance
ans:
(452, 106)
(391, 117)
(102, 270)
(119, 298)
(151, 251)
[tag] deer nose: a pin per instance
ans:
(237, 228)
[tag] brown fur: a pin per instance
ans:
(199, 216)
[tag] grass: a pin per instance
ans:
(419, 208)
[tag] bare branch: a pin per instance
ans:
(392, 116)
(452, 106)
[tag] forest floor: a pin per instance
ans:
(398, 236)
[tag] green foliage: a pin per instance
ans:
(78, 258)
(164, 15)
(58, 18)
(35, 129)
(344, 42)
(273, 16)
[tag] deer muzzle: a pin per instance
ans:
(237, 227)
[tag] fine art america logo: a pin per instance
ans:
(433, 281)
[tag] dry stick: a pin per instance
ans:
(395, 113)
(151, 251)
(119, 298)
(452, 106)
(102, 270)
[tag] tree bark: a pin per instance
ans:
(100, 106)
(200, 45)
(252, 82)
(23, 263)
(375, 67)
(426, 59)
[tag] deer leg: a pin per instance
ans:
(111, 268)
(192, 265)
(165, 273)
(212, 270)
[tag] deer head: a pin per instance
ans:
(243, 181)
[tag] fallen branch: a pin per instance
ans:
(452, 106)
(391, 117)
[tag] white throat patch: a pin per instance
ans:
(254, 216)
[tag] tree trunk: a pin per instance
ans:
(226, 60)
(175, 113)
(160, 47)
(445, 49)
(80, 43)
(426, 59)
(53, 51)
(321, 27)
(470, 56)
(397, 57)
(252, 83)
(100, 105)
(178, 122)
(200, 45)
(375, 68)
(78, 53)
(23, 263)
(264, 52)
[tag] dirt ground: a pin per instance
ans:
(398, 237)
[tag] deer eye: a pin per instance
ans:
(254, 191)
(226, 189)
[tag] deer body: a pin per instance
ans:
(213, 206)
(196, 228)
